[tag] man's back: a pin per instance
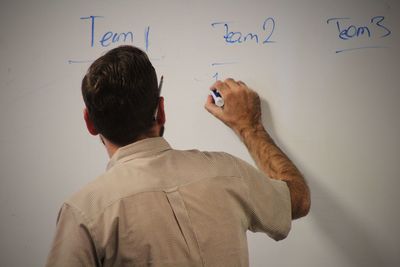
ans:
(156, 206)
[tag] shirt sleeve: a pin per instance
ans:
(268, 201)
(73, 244)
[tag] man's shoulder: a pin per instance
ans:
(219, 159)
(93, 197)
(229, 160)
(210, 155)
(220, 163)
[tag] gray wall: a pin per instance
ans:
(331, 104)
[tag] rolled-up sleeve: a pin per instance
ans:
(268, 201)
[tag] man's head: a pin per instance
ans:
(121, 94)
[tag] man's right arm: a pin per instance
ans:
(242, 113)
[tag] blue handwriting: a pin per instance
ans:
(375, 28)
(112, 37)
(238, 37)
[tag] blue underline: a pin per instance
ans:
(359, 48)
(223, 63)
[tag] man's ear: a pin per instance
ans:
(89, 123)
(160, 116)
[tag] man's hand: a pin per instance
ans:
(242, 113)
(242, 109)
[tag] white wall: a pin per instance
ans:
(334, 113)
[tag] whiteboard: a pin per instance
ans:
(327, 73)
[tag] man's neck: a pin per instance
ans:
(112, 148)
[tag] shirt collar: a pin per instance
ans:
(142, 148)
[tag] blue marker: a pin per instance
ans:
(218, 100)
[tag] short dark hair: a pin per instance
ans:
(121, 94)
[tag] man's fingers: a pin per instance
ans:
(241, 83)
(222, 87)
(212, 108)
(232, 84)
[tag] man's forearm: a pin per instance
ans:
(273, 162)
(242, 113)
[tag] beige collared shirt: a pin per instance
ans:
(156, 206)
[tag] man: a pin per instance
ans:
(156, 206)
